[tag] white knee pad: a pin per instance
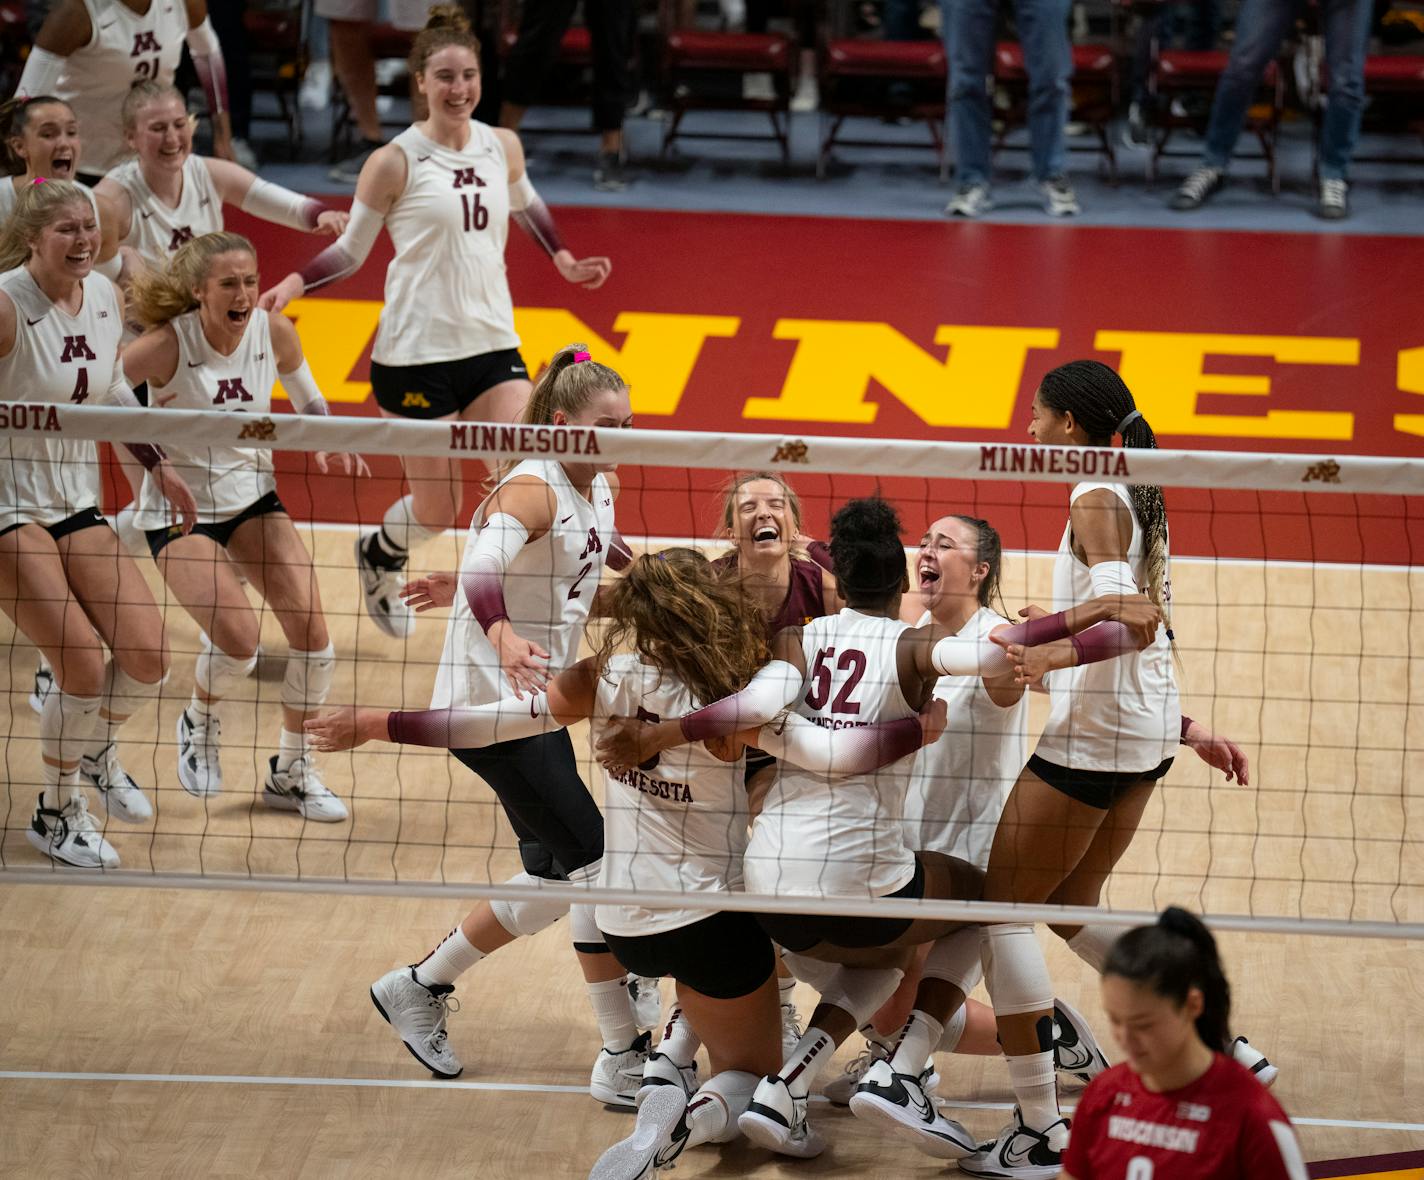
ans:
(812, 972)
(400, 525)
(123, 695)
(955, 958)
(528, 915)
(1015, 971)
(66, 725)
(860, 991)
(584, 928)
(308, 678)
(1092, 944)
(218, 674)
(713, 1111)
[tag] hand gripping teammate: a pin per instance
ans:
(89, 52)
(210, 348)
(445, 189)
(39, 137)
(1111, 732)
(676, 825)
(532, 562)
(1179, 1107)
(64, 579)
(844, 838)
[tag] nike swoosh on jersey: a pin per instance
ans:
(421, 159)
(31, 322)
(568, 518)
(195, 364)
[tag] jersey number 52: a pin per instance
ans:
(851, 660)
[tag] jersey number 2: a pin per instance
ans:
(852, 661)
(583, 573)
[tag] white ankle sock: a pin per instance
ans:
(922, 1032)
(679, 1043)
(290, 747)
(713, 1111)
(201, 711)
(1092, 943)
(455, 955)
(613, 1009)
(1036, 1088)
(66, 723)
(812, 1054)
(787, 987)
(954, 1029)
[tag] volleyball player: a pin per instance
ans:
(676, 825)
(1179, 1107)
(209, 347)
(532, 562)
(814, 838)
(1110, 737)
(445, 189)
(64, 580)
(40, 137)
(89, 52)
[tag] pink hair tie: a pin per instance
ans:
(581, 356)
(38, 180)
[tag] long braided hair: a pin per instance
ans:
(1100, 401)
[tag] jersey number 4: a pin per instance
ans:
(851, 660)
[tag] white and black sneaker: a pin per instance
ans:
(1075, 1050)
(418, 1015)
(618, 1076)
(43, 686)
(121, 796)
(1020, 1152)
(1059, 199)
(381, 584)
(899, 1103)
(70, 836)
(1197, 188)
(838, 1091)
(1243, 1053)
(199, 762)
(299, 788)
(970, 200)
(657, 1140)
(647, 998)
(791, 1030)
(777, 1119)
(661, 1071)
(1333, 200)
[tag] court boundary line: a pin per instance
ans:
(34, 1075)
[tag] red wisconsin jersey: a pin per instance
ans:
(1224, 1126)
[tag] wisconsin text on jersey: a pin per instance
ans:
(524, 440)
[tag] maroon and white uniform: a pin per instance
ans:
(804, 600)
(1224, 1126)
(57, 358)
(548, 589)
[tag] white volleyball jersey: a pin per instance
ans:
(123, 48)
(157, 229)
(57, 359)
(844, 836)
(1121, 715)
(9, 196)
(224, 480)
(447, 295)
(680, 825)
(958, 784)
(548, 589)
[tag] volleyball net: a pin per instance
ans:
(1297, 583)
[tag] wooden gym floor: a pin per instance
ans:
(164, 1032)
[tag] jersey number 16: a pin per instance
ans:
(476, 215)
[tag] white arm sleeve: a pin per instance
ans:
(281, 206)
(478, 725)
(963, 655)
(1113, 577)
(349, 252)
(522, 194)
(111, 269)
(832, 753)
(203, 39)
(41, 74)
(498, 543)
(301, 388)
(770, 691)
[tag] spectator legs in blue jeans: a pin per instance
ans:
(1043, 31)
(1261, 26)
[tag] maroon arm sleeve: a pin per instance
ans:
(536, 221)
(147, 454)
(1032, 632)
(484, 591)
(620, 557)
(1103, 641)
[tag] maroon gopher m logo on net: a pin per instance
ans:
(1327, 471)
(791, 452)
(264, 430)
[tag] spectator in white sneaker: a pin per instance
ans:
(969, 31)
(1261, 26)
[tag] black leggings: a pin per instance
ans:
(536, 779)
(542, 25)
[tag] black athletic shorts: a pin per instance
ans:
(800, 932)
(85, 518)
(724, 956)
(445, 387)
(757, 761)
(1096, 788)
(220, 531)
